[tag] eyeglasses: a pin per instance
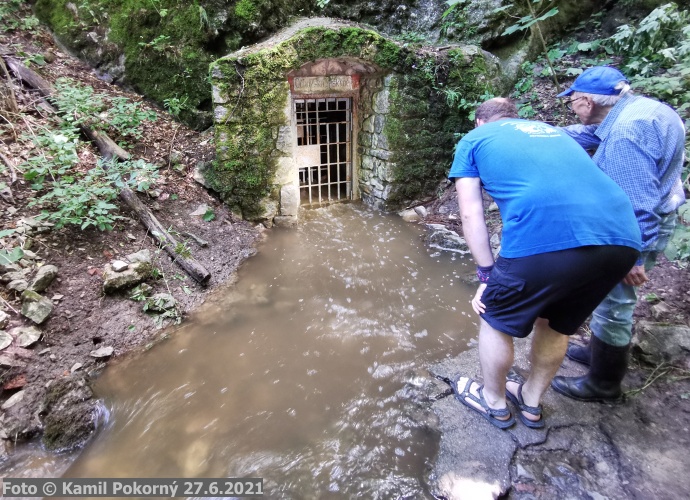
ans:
(569, 103)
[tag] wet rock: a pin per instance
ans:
(10, 361)
(660, 310)
(15, 383)
(201, 210)
(35, 307)
(28, 254)
(285, 221)
(421, 211)
(18, 285)
(160, 302)
(410, 216)
(5, 339)
(26, 335)
(9, 268)
(118, 266)
(140, 256)
(444, 239)
(135, 274)
(44, 277)
(655, 343)
(69, 413)
(13, 400)
(13, 276)
(103, 352)
(200, 172)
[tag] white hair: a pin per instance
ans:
(609, 100)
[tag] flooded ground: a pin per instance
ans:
(304, 373)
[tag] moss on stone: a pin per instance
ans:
(424, 123)
(256, 85)
(421, 126)
(247, 10)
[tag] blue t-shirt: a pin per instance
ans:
(551, 195)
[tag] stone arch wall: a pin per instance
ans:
(405, 123)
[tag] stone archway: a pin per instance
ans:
(392, 123)
(325, 101)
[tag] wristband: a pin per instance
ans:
(483, 273)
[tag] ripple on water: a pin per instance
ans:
(309, 372)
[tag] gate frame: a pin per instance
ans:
(354, 120)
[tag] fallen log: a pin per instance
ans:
(109, 150)
(164, 239)
(6, 91)
(105, 144)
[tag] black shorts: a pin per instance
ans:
(563, 287)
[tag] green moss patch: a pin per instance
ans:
(168, 44)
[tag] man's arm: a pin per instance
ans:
(474, 228)
(584, 135)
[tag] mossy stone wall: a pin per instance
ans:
(251, 93)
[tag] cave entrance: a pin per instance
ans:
(324, 149)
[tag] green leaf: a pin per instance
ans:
(209, 215)
(511, 29)
(14, 255)
(549, 14)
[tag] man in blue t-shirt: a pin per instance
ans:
(560, 252)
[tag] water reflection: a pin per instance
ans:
(298, 374)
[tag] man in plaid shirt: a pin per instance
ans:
(639, 144)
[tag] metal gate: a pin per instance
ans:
(324, 149)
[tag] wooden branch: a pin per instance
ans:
(11, 100)
(13, 173)
(109, 150)
(164, 239)
(105, 144)
(30, 76)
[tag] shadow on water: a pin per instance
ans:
(304, 373)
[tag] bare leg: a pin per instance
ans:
(548, 350)
(496, 357)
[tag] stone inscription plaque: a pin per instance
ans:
(313, 84)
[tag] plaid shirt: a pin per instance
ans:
(640, 145)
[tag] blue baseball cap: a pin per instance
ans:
(597, 80)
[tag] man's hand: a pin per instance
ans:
(477, 304)
(636, 277)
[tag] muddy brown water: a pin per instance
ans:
(304, 373)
